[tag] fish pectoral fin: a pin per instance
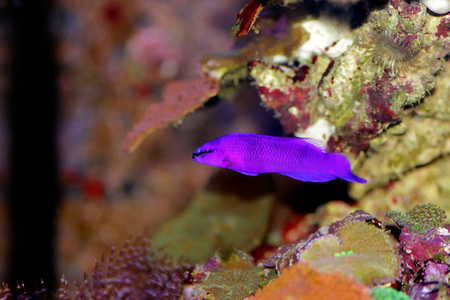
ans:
(246, 173)
(310, 177)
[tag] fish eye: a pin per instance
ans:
(201, 152)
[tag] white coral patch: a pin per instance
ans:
(321, 130)
(328, 36)
(437, 6)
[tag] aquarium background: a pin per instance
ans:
(140, 84)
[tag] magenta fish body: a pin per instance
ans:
(303, 159)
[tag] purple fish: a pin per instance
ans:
(303, 159)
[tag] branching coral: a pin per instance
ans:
(420, 219)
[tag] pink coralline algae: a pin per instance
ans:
(430, 282)
(416, 248)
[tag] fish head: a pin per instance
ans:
(210, 156)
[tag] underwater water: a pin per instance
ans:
(138, 86)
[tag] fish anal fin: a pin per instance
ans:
(246, 173)
(320, 145)
(310, 177)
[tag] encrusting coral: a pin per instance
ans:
(302, 282)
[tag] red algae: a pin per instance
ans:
(246, 18)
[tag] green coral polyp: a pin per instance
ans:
(343, 253)
(420, 219)
(382, 293)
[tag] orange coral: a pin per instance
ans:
(179, 99)
(302, 282)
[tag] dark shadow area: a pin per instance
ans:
(305, 197)
(33, 191)
(228, 182)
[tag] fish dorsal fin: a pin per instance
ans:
(316, 143)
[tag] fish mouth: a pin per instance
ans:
(201, 153)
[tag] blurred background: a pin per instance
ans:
(74, 77)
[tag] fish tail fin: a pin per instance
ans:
(344, 171)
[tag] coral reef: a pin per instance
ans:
(301, 281)
(376, 88)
